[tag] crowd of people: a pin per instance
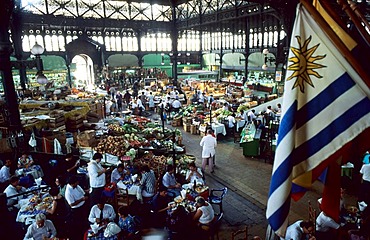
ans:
(80, 201)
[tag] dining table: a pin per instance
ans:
(33, 204)
(132, 184)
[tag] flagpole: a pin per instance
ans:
(337, 41)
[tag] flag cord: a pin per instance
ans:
(336, 40)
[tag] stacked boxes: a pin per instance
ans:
(56, 119)
(74, 123)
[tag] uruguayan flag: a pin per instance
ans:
(325, 106)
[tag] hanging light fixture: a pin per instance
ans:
(41, 78)
(37, 50)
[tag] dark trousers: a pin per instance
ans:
(95, 195)
(77, 222)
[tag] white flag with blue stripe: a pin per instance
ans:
(325, 106)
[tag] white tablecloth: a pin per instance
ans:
(133, 189)
(219, 128)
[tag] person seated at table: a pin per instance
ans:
(117, 174)
(326, 227)
(41, 229)
(299, 230)
(147, 182)
(159, 207)
(61, 184)
(58, 211)
(205, 214)
(25, 160)
(194, 174)
(169, 181)
(5, 174)
(180, 222)
(126, 222)
(102, 213)
(13, 189)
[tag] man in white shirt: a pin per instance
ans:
(176, 105)
(365, 185)
(102, 213)
(209, 144)
(13, 189)
(298, 229)
(251, 116)
(41, 229)
(96, 177)
(75, 197)
(5, 174)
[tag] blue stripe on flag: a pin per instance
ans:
(338, 126)
(281, 173)
(281, 213)
(324, 98)
(287, 122)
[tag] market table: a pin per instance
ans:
(219, 128)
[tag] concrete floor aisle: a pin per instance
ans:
(248, 182)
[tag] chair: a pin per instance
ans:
(215, 227)
(240, 233)
(312, 216)
(216, 196)
(123, 198)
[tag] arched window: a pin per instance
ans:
(259, 39)
(265, 39)
(131, 43)
(26, 43)
(271, 39)
(55, 44)
(134, 43)
(32, 39)
(107, 43)
(48, 43)
(40, 40)
(255, 40)
(113, 43)
(124, 43)
(118, 44)
(61, 43)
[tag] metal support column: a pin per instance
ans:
(6, 68)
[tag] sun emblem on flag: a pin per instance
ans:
(304, 64)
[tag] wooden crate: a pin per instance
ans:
(194, 129)
(187, 127)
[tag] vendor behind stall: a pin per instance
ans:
(176, 105)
